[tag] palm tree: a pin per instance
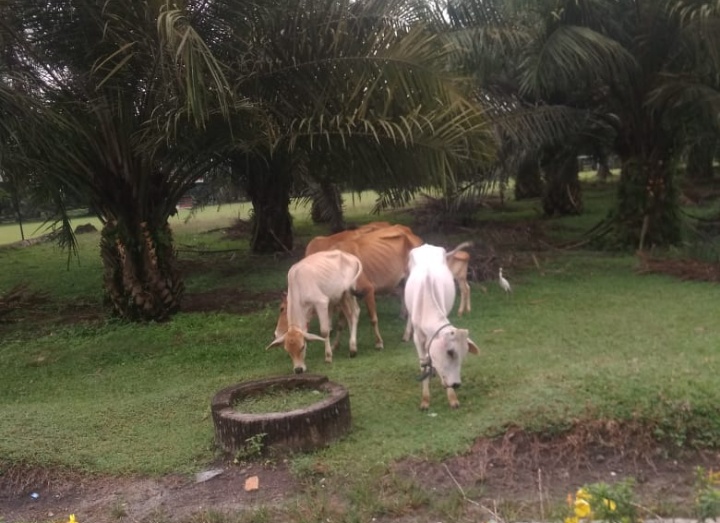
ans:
(118, 100)
(356, 95)
(128, 103)
(646, 65)
(496, 40)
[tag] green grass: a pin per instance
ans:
(278, 400)
(582, 336)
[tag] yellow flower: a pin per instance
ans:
(583, 494)
(714, 477)
(582, 508)
(571, 519)
(610, 504)
(72, 519)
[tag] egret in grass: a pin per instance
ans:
(504, 284)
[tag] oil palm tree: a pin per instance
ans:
(131, 102)
(357, 94)
(494, 41)
(648, 67)
(117, 102)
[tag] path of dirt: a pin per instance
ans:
(518, 467)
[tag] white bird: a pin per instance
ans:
(504, 283)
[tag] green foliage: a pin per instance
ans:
(613, 503)
(707, 494)
(253, 448)
(278, 400)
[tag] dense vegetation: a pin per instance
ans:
(126, 106)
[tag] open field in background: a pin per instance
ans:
(187, 223)
(583, 337)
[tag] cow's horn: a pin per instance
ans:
(277, 341)
(313, 337)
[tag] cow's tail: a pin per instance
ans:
(353, 290)
(463, 245)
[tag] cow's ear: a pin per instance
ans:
(472, 347)
(277, 341)
(313, 337)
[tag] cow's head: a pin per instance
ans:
(447, 352)
(294, 341)
(281, 326)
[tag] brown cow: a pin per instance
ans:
(384, 255)
(324, 243)
(458, 261)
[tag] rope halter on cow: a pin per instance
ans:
(426, 367)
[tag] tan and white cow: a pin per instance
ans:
(458, 261)
(429, 297)
(318, 283)
(383, 253)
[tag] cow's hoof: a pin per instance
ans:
(424, 406)
(353, 353)
(379, 346)
(455, 405)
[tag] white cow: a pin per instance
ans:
(319, 282)
(429, 297)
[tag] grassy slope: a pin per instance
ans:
(585, 335)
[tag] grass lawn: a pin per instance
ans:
(583, 335)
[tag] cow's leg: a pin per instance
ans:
(452, 398)
(423, 356)
(408, 329)
(340, 326)
(467, 297)
(323, 313)
(364, 287)
(464, 297)
(372, 312)
(351, 314)
(425, 403)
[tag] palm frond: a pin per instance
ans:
(572, 56)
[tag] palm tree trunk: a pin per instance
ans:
(327, 206)
(563, 195)
(140, 271)
(268, 185)
(603, 166)
(648, 211)
(528, 182)
(700, 160)
(17, 207)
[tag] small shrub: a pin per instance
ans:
(603, 502)
(707, 494)
(253, 448)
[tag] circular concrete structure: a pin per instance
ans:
(302, 429)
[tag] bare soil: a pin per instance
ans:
(526, 469)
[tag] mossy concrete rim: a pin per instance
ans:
(303, 429)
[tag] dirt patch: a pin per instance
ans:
(530, 471)
(44, 494)
(684, 269)
(232, 300)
